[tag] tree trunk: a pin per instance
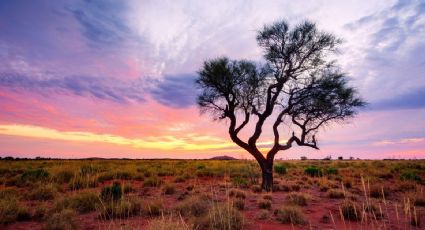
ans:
(267, 175)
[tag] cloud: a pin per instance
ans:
(401, 141)
(410, 100)
(386, 51)
(101, 88)
(175, 91)
(102, 21)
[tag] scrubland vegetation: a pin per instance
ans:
(210, 194)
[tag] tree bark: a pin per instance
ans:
(267, 175)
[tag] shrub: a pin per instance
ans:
(280, 169)
(313, 171)
(64, 220)
(290, 215)
(194, 206)
(169, 189)
(42, 193)
(82, 202)
(264, 204)
(410, 175)
(223, 217)
(331, 171)
(152, 182)
(298, 199)
(335, 194)
(350, 210)
(113, 192)
(237, 193)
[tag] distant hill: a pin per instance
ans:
(223, 158)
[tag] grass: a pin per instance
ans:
(194, 206)
(237, 193)
(169, 189)
(121, 209)
(81, 202)
(221, 216)
(290, 215)
(42, 192)
(264, 204)
(299, 199)
(335, 194)
(163, 191)
(64, 220)
(168, 223)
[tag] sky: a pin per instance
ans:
(115, 79)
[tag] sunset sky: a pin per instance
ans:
(116, 78)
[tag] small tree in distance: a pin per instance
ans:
(297, 86)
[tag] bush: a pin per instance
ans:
(82, 202)
(264, 204)
(290, 215)
(313, 171)
(280, 169)
(64, 220)
(298, 199)
(350, 210)
(335, 194)
(113, 192)
(223, 217)
(331, 171)
(410, 175)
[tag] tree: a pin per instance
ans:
(297, 85)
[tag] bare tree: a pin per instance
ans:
(297, 86)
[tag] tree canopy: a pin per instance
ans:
(297, 84)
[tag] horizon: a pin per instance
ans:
(108, 79)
